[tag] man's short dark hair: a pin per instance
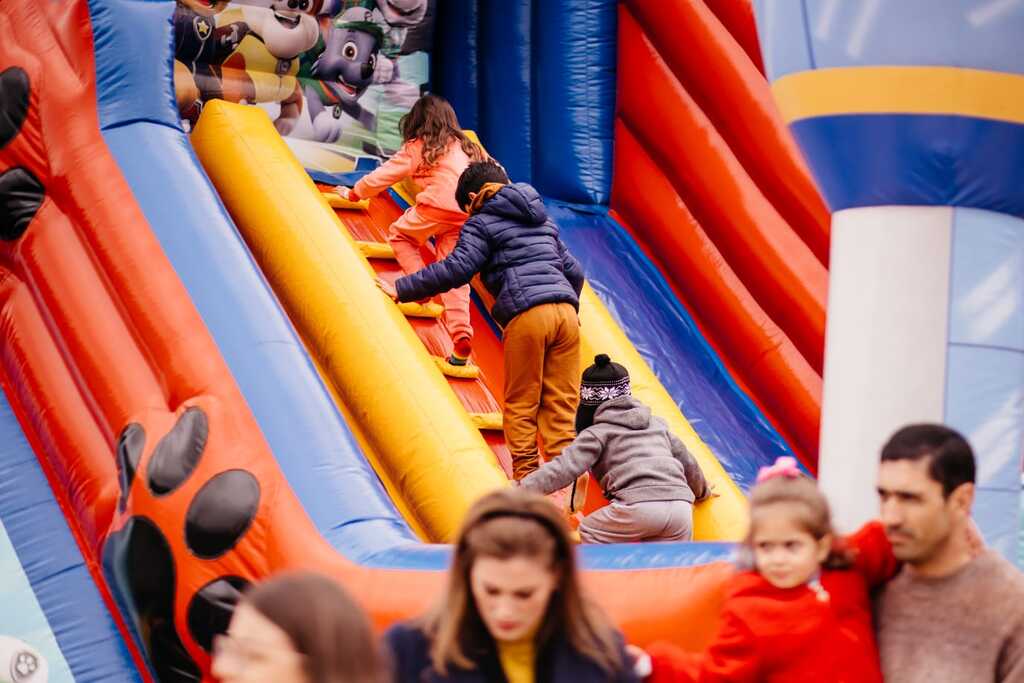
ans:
(951, 460)
(476, 175)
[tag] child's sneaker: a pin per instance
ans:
(460, 354)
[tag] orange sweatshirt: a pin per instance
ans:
(436, 200)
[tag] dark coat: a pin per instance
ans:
(557, 663)
(515, 247)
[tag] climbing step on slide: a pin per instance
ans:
(489, 421)
(414, 309)
(381, 250)
(478, 384)
(457, 371)
(338, 202)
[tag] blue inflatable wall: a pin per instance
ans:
(537, 82)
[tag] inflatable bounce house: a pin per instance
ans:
(202, 385)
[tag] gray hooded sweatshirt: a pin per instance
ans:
(631, 453)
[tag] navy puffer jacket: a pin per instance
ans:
(515, 247)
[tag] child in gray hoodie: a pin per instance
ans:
(649, 478)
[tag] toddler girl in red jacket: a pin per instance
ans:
(802, 612)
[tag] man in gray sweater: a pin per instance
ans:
(951, 614)
(645, 471)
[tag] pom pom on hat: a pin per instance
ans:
(602, 381)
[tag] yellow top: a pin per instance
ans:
(517, 659)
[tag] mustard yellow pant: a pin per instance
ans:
(542, 383)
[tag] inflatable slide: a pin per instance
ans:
(203, 371)
(195, 437)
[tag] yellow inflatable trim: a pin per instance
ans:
(894, 89)
(490, 421)
(421, 441)
(412, 309)
(719, 519)
(457, 371)
(381, 250)
(338, 202)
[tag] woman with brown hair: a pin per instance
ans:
(298, 628)
(513, 610)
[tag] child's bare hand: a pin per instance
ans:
(344, 192)
(711, 493)
(387, 288)
(640, 659)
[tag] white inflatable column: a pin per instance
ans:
(885, 343)
(926, 323)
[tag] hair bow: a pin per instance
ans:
(784, 466)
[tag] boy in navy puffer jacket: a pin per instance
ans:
(536, 283)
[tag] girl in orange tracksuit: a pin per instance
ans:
(434, 154)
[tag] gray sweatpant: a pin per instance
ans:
(659, 520)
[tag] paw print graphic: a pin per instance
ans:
(187, 535)
(24, 665)
(177, 516)
(21, 193)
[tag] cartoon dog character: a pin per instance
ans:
(199, 49)
(396, 18)
(403, 13)
(264, 66)
(342, 74)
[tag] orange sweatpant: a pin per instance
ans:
(406, 235)
(542, 383)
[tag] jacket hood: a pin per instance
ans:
(624, 411)
(519, 202)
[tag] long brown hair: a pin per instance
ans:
(809, 510)
(324, 624)
(432, 120)
(507, 524)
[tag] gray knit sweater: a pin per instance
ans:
(631, 453)
(967, 627)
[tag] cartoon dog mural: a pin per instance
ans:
(199, 49)
(342, 73)
(400, 16)
(264, 66)
(395, 18)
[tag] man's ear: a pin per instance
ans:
(962, 498)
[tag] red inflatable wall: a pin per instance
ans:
(710, 182)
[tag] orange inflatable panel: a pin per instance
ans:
(735, 95)
(738, 18)
(760, 354)
(763, 251)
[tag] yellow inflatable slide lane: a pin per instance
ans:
(418, 436)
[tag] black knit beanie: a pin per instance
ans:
(602, 381)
